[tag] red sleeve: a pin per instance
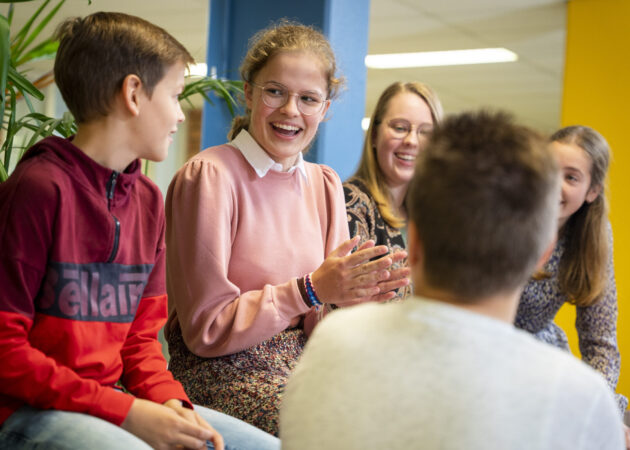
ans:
(145, 371)
(145, 374)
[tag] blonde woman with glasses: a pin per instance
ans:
(404, 117)
(257, 238)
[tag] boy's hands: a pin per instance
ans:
(193, 417)
(170, 425)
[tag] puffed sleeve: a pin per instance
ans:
(338, 224)
(215, 317)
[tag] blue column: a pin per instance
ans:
(344, 22)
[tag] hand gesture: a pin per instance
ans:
(346, 278)
(169, 426)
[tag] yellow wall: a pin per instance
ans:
(597, 93)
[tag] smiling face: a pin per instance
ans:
(575, 166)
(397, 156)
(284, 132)
(160, 115)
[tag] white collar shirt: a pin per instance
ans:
(258, 158)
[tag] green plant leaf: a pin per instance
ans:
(45, 129)
(20, 36)
(27, 100)
(69, 123)
(65, 126)
(5, 60)
(44, 50)
(41, 126)
(38, 29)
(10, 15)
(3, 174)
(23, 85)
(227, 96)
(224, 89)
(7, 146)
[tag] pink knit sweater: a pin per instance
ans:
(236, 244)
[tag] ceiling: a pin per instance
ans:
(534, 29)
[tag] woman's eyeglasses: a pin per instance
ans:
(400, 129)
(276, 95)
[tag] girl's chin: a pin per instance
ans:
(404, 175)
(399, 183)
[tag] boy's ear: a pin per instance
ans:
(131, 90)
(593, 193)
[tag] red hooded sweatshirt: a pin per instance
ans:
(82, 291)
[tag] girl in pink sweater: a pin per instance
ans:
(257, 238)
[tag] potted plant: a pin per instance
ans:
(21, 48)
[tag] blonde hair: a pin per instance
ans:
(369, 171)
(582, 268)
(284, 37)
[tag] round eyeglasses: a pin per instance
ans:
(276, 95)
(400, 129)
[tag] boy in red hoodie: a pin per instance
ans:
(82, 293)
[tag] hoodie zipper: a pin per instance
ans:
(111, 187)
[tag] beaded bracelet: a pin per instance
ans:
(310, 292)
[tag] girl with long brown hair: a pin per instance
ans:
(580, 270)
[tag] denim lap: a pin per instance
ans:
(30, 428)
(238, 435)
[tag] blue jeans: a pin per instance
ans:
(30, 428)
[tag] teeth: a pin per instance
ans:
(286, 127)
(406, 157)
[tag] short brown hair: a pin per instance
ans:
(484, 200)
(98, 51)
(286, 36)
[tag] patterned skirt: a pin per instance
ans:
(247, 385)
